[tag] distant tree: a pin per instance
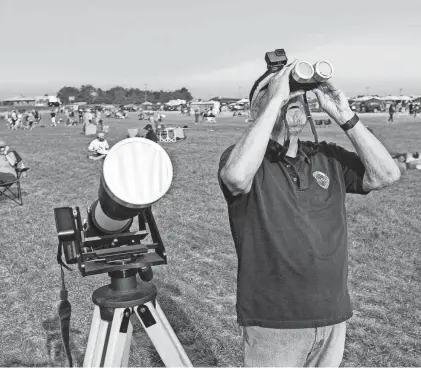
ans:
(117, 94)
(65, 92)
(87, 93)
(120, 95)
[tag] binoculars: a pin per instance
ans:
(304, 76)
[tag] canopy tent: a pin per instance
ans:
(364, 98)
(243, 101)
(396, 98)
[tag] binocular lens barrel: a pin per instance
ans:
(323, 71)
(304, 72)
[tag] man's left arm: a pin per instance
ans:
(380, 168)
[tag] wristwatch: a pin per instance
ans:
(350, 123)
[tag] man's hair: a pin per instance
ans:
(100, 135)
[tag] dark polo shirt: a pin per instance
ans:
(290, 235)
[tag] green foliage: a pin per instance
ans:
(120, 95)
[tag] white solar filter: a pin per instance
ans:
(137, 172)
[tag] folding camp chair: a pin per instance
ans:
(163, 135)
(171, 135)
(5, 188)
(132, 133)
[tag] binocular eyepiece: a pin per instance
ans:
(304, 76)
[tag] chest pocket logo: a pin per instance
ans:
(322, 179)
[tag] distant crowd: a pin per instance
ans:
(25, 120)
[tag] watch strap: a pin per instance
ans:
(350, 123)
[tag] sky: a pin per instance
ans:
(213, 48)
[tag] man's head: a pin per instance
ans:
(148, 127)
(101, 136)
(292, 117)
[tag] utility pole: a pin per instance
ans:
(401, 91)
(146, 88)
(367, 91)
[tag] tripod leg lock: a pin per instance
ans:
(126, 320)
(146, 315)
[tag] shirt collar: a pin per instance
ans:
(276, 152)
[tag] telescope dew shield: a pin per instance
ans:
(323, 70)
(136, 173)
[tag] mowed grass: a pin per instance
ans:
(197, 289)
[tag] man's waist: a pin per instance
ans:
(294, 305)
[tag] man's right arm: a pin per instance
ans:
(247, 155)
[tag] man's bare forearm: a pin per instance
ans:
(248, 153)
(380, 167)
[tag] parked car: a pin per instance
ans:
(372, 106)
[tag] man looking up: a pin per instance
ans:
(286, 207)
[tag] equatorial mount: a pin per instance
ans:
(96, 252)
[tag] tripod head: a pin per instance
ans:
(97, 253)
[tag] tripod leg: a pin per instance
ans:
(162, 335)
(118, 347)
(126, 352)
(96, 341)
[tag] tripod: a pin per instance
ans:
(111, 330)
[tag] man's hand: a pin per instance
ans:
(278, 87)
(334, 102)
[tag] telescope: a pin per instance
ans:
(136, 174)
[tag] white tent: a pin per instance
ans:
(364, 98)
(396, 98)
(243, 100)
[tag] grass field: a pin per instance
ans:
(197, 289)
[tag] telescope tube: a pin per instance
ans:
(136, 174)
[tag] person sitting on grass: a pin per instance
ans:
(408, 161)
(99, 146)
(151, 135)
(7, 164)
